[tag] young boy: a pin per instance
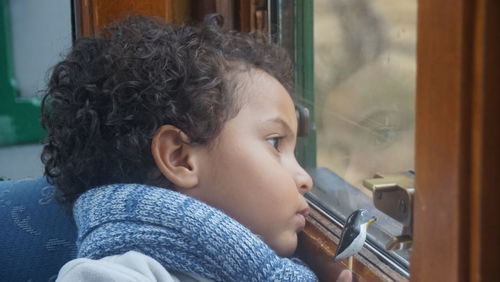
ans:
(175, 148)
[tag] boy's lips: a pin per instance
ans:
(304, 212)
(302, 215)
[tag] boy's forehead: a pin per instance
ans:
(251, 82)
(263, 93)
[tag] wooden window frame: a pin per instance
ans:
(456, 226)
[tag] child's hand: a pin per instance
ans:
(344, 276)
(321, 263)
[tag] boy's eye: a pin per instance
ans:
(275, 142)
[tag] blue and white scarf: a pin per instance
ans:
(180, 232)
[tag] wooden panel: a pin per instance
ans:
(485, 210)
(244, 15)
(226, 8)
(442, 148)
(317, 245)
(93, 15)
(106, 11)
(203, 7)
(182, 11)
(456, 227)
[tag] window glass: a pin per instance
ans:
(365, 71)
(41, 31)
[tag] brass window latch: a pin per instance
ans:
(393, 195)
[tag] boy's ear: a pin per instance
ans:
(175, 157)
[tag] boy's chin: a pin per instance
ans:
(286, 248)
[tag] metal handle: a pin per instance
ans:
(393, 195)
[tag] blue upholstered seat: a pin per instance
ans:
(37, 234)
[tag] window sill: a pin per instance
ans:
(317, 245)
(332, 200)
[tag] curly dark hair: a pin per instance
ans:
(106, 99)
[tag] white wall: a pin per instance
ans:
(41, 32)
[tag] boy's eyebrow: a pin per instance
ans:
(282, 122)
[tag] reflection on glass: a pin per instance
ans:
(365, 86)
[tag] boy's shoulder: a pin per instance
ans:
(130, 266)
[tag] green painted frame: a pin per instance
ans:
(292, 28)
(304, 76)
(19, 117)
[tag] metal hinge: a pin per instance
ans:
(393, 195)
(304, 120)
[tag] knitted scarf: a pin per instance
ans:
(181, 233)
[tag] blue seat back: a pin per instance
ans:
(37, 234)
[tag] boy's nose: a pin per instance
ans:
(303, 180)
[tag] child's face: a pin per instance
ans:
(250, 171)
